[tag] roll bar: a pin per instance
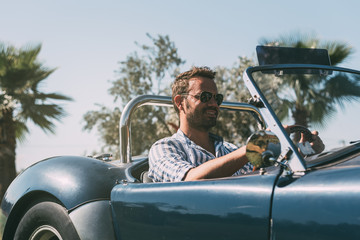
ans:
(125, 125)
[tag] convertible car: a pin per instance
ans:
(292, 193)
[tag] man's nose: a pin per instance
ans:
(213, 102)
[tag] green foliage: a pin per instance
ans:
(145, 74)
(21, 75)
(151, 70)
(107, 122)
(315, 97)
(149, 73)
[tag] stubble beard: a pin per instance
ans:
(197, 118)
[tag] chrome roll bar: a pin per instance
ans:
(125, 120)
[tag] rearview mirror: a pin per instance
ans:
(262, 149)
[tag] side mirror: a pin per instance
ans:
(262, 149)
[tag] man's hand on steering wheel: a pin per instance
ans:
(316, 143)
(307, 136)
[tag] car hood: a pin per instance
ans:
(346, 156)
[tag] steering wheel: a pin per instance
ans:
(297, 128)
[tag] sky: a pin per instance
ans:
(86, 40)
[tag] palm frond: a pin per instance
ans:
(341, 89)
(20, 130)
(338, 51)
(20, 76)
(317, 95)
(43, 115)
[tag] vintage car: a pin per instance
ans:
(293, 193)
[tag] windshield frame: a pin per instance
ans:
(294, 161)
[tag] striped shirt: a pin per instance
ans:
(172, 157)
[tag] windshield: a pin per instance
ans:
(323, 99)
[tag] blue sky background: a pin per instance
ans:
(85, 40)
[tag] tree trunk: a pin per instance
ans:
(7, 150)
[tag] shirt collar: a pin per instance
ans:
(217, 139)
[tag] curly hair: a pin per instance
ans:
(181, 82)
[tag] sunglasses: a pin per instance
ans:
(206, 96)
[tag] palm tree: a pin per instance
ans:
(20, 100)
(315, 99)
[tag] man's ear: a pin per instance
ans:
(178, 102)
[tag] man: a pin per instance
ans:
(193, 153)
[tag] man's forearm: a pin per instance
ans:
(219, 167)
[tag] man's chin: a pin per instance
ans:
(212, 121)
(210, 124)
(206, 127)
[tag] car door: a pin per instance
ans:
(229, 208)
(322, 204)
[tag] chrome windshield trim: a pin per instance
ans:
(301, 66)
